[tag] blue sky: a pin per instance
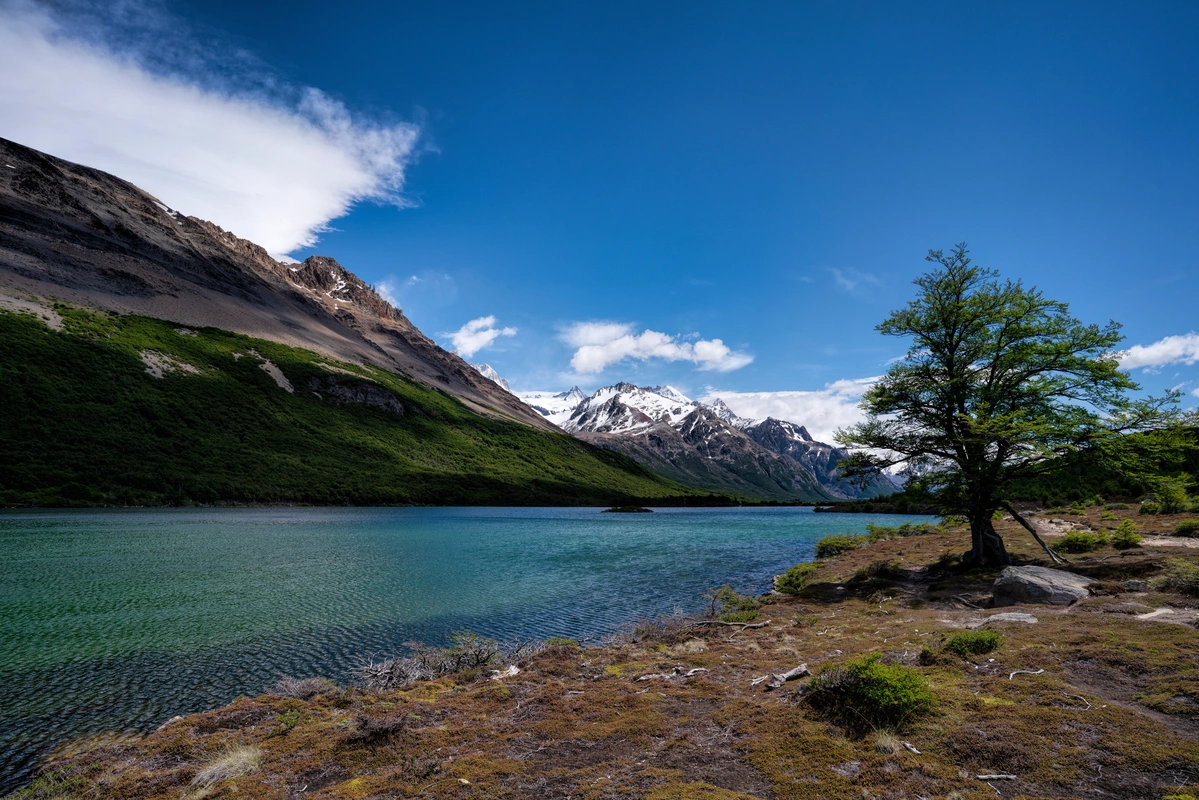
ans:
(768, 175)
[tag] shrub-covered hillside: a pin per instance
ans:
(227, 418)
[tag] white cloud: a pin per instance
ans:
(1182, 349)
(477, 334)
(600, 344)
(851, 279)
(821, 411)
(387, 290)
(273, 164)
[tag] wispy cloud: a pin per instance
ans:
(600, 344)
(271, 162)
(821, 411)
(477, 334)
(851, 279)
(1182, 349)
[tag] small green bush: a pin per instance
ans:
(795, 579)
(1126, 536)
(1150, 508)
(729, 606)
(1117, 506)
(1188, 527)
(974, 643)
(1173, 498)
(1081, 541)
(1107, 515)
(1195, 506)
(864, 693)
(1179, 576)
(836, 544)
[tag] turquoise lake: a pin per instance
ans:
(118, 620)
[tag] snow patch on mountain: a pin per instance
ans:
(488, 372)
(554, 406)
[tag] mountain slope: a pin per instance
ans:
(128, 410)
(86, 237)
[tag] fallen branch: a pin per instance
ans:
(998, 777)
(1079, 697)
(908, 745)
(673, 673)
(1025, 672)
(775, 680)
(1028, 526)
(741, 625)
(962, 599)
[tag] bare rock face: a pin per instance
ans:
(1016, 585)
(83, 236)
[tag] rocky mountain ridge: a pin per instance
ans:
(703, 445)
(76, 234)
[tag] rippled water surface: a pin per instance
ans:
(118, 620)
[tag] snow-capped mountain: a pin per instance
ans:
(701, 445)
(488, 372)
(554, 406)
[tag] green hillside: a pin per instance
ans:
(85, 424)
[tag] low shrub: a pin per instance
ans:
(1189, 527)
(1125, 536)
(795, 579)
(1179, 576)
(1150, 508)
(836, 544)
(884, 570)
(1117, 506)
(467, 657)
(1106, 515)
(729, 606)
(304, 688)
(1195, 506)
(974, 643)
(1081, 541)
(865, 694)
(378, 730)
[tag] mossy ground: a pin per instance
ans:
(1111, 712)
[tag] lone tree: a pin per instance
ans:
(999, 386)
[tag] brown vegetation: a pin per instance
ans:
(1094, 699)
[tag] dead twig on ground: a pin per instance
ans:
(1025, 672)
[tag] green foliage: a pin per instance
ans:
(999, 385)
(1081, 541)
(1172, 495)
(974, 643)
(729, 606)
(836, 544)
(1117, 506)
(795, 579)
(54, 785)
(865, 693)
(561, 641)
(1125, 536)
(1189, 527)
(1179, 576)
(1107, 516)
(1149, 508)
(85, 425)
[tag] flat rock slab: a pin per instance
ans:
(1041, 585)
(1010, 616)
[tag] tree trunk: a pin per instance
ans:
(987, 548)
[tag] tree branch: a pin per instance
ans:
(1016, 516)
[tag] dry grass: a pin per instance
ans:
(236, 762)
(1113, 711)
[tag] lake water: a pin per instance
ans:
(118, 620)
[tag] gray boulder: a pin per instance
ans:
(1010, 616)
(1039, 585)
